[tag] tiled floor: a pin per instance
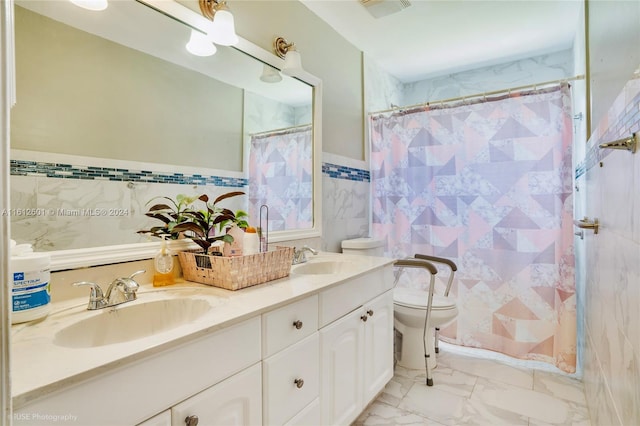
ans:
(469, 390)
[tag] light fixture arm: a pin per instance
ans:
(282, 46)
(210, 7)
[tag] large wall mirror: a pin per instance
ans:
(113, 111)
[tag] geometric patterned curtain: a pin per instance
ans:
(487, 184)
(280, 176)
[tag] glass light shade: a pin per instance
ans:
(223, 30)
(270, 75)
(200, 45)
(292, 64)
(91, 4)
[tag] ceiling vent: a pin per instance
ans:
(381, 8)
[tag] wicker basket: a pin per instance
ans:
(234, 273)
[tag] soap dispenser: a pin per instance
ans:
(163, 263)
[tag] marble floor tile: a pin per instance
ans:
(379, 413)
(564, 387)
(487, 368)
(537, 406)
(395, 390)
(449, 409)
(471, 390)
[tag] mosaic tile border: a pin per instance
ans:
(68, 171)
(343, 172)
(626, 124)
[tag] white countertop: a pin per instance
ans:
(40, 366)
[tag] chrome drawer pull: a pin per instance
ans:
(191, 420)
(370, 312)
(364, 318)
(297, 324)
(299, 383)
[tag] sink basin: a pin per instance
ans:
(129, 322)
(323, 267)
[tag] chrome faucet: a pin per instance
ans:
(121, 290)
(299, 256)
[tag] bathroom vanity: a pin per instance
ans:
(313, 348)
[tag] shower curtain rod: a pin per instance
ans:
(479, 95)
(284, 129)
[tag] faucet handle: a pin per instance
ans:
(96, 291)
(96, 297)
(137, 273)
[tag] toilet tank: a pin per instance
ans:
(364, 246)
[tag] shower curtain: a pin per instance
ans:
(280, 176)
(487, 184)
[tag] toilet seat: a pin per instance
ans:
(417, 299)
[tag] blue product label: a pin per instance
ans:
(30, 289)
(39, 298)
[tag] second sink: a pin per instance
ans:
(323, 267)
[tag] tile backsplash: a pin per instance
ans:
(64, 201)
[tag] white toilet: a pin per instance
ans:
(409, 306)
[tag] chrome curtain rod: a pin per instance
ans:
(282, 130)
(479, 95)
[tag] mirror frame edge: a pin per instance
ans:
(7, 90)
(104, 255)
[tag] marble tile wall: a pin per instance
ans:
(64, 202)
(533, 70)
(609, 181)
(345, 203)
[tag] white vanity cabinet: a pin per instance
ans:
(356, 351)
(318, 359)
(162, 419)
(139, 390)
(237, 401)
(291, 364)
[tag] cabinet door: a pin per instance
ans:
(341, 345)
(234, 401)
(378, 345)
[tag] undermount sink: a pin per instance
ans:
(322, 267)
(125, 322)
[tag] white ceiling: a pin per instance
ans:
(436, 37)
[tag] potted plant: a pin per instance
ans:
(181, 218)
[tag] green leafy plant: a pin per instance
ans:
(181, 217)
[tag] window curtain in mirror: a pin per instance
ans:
(280, 176)
(487, 184)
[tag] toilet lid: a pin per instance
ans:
(413, 298)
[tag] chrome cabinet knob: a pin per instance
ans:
(191, 420)
(299, 383)
(297, 324)
(370, 312)
(364, 318)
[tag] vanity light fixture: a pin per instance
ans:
(222, 30)
(270, 74)
(287, 51)
(91, 4)
(200, 44)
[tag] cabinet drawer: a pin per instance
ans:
(283, 398)
(344, 298)
(287, 325)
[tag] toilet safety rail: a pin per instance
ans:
(426, 262)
